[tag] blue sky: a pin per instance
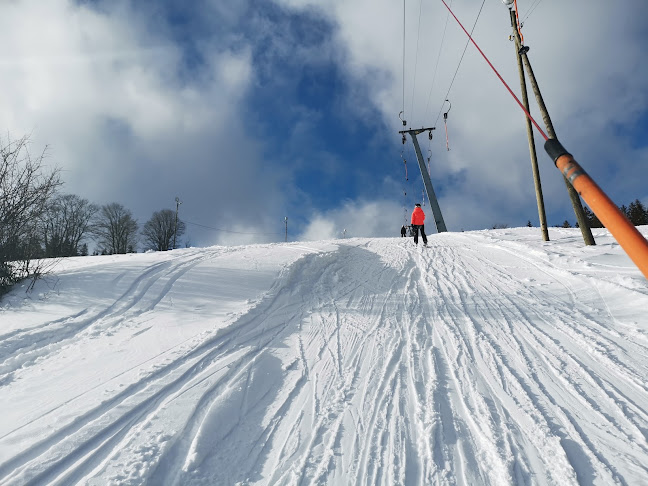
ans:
(253, 111)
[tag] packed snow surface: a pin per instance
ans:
(488, 358)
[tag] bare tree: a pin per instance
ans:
(26, 188)
(65, 223)
(158, 231)
(115, 229)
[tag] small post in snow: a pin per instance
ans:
(175, 230)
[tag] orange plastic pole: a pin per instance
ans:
(632, 242)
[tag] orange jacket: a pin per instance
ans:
(418, 216)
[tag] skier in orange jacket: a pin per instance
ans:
(418, 217)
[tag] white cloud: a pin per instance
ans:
(125, 119)
(321, 228)
(587, 57)
(131, 117)
(356, 219)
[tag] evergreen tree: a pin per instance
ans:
(637, 213)
(591, 218)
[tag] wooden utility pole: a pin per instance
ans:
(532, 149)
(588, 238)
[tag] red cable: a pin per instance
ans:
(544, 135)
(519, 27)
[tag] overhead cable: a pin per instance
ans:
(418, 38)
(228, 231)
(530, 11)
(462, 56)
(436, 66)
(535, 124)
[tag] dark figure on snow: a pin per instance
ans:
(418, 217)
(403, 231)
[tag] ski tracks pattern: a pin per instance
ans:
(377, 363)
(531, 370)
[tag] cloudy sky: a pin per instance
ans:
(257, 110)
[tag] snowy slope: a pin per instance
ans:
(488, 358)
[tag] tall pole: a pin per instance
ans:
(175, 230)
(286, 221)
(588, 238)
(532, 149)
(434, 204)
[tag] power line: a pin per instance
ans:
(460, 60)
(228, 231)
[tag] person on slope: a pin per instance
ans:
(418, 217)
(403, 231)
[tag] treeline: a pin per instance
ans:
(636, 213)
(37, 221)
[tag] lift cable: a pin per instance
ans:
(462, 55)
(544, 135)
(403, 110)
(436, 66)
(418, 38)
(529, 12)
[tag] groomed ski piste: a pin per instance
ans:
(488, 358)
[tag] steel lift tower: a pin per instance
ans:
(436, 210)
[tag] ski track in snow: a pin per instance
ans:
(474, 361)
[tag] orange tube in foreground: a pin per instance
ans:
(632, 242)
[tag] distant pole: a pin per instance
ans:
(529, 127)
(427, 182)
(588, 238)
(175, 230)
(286, 221)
